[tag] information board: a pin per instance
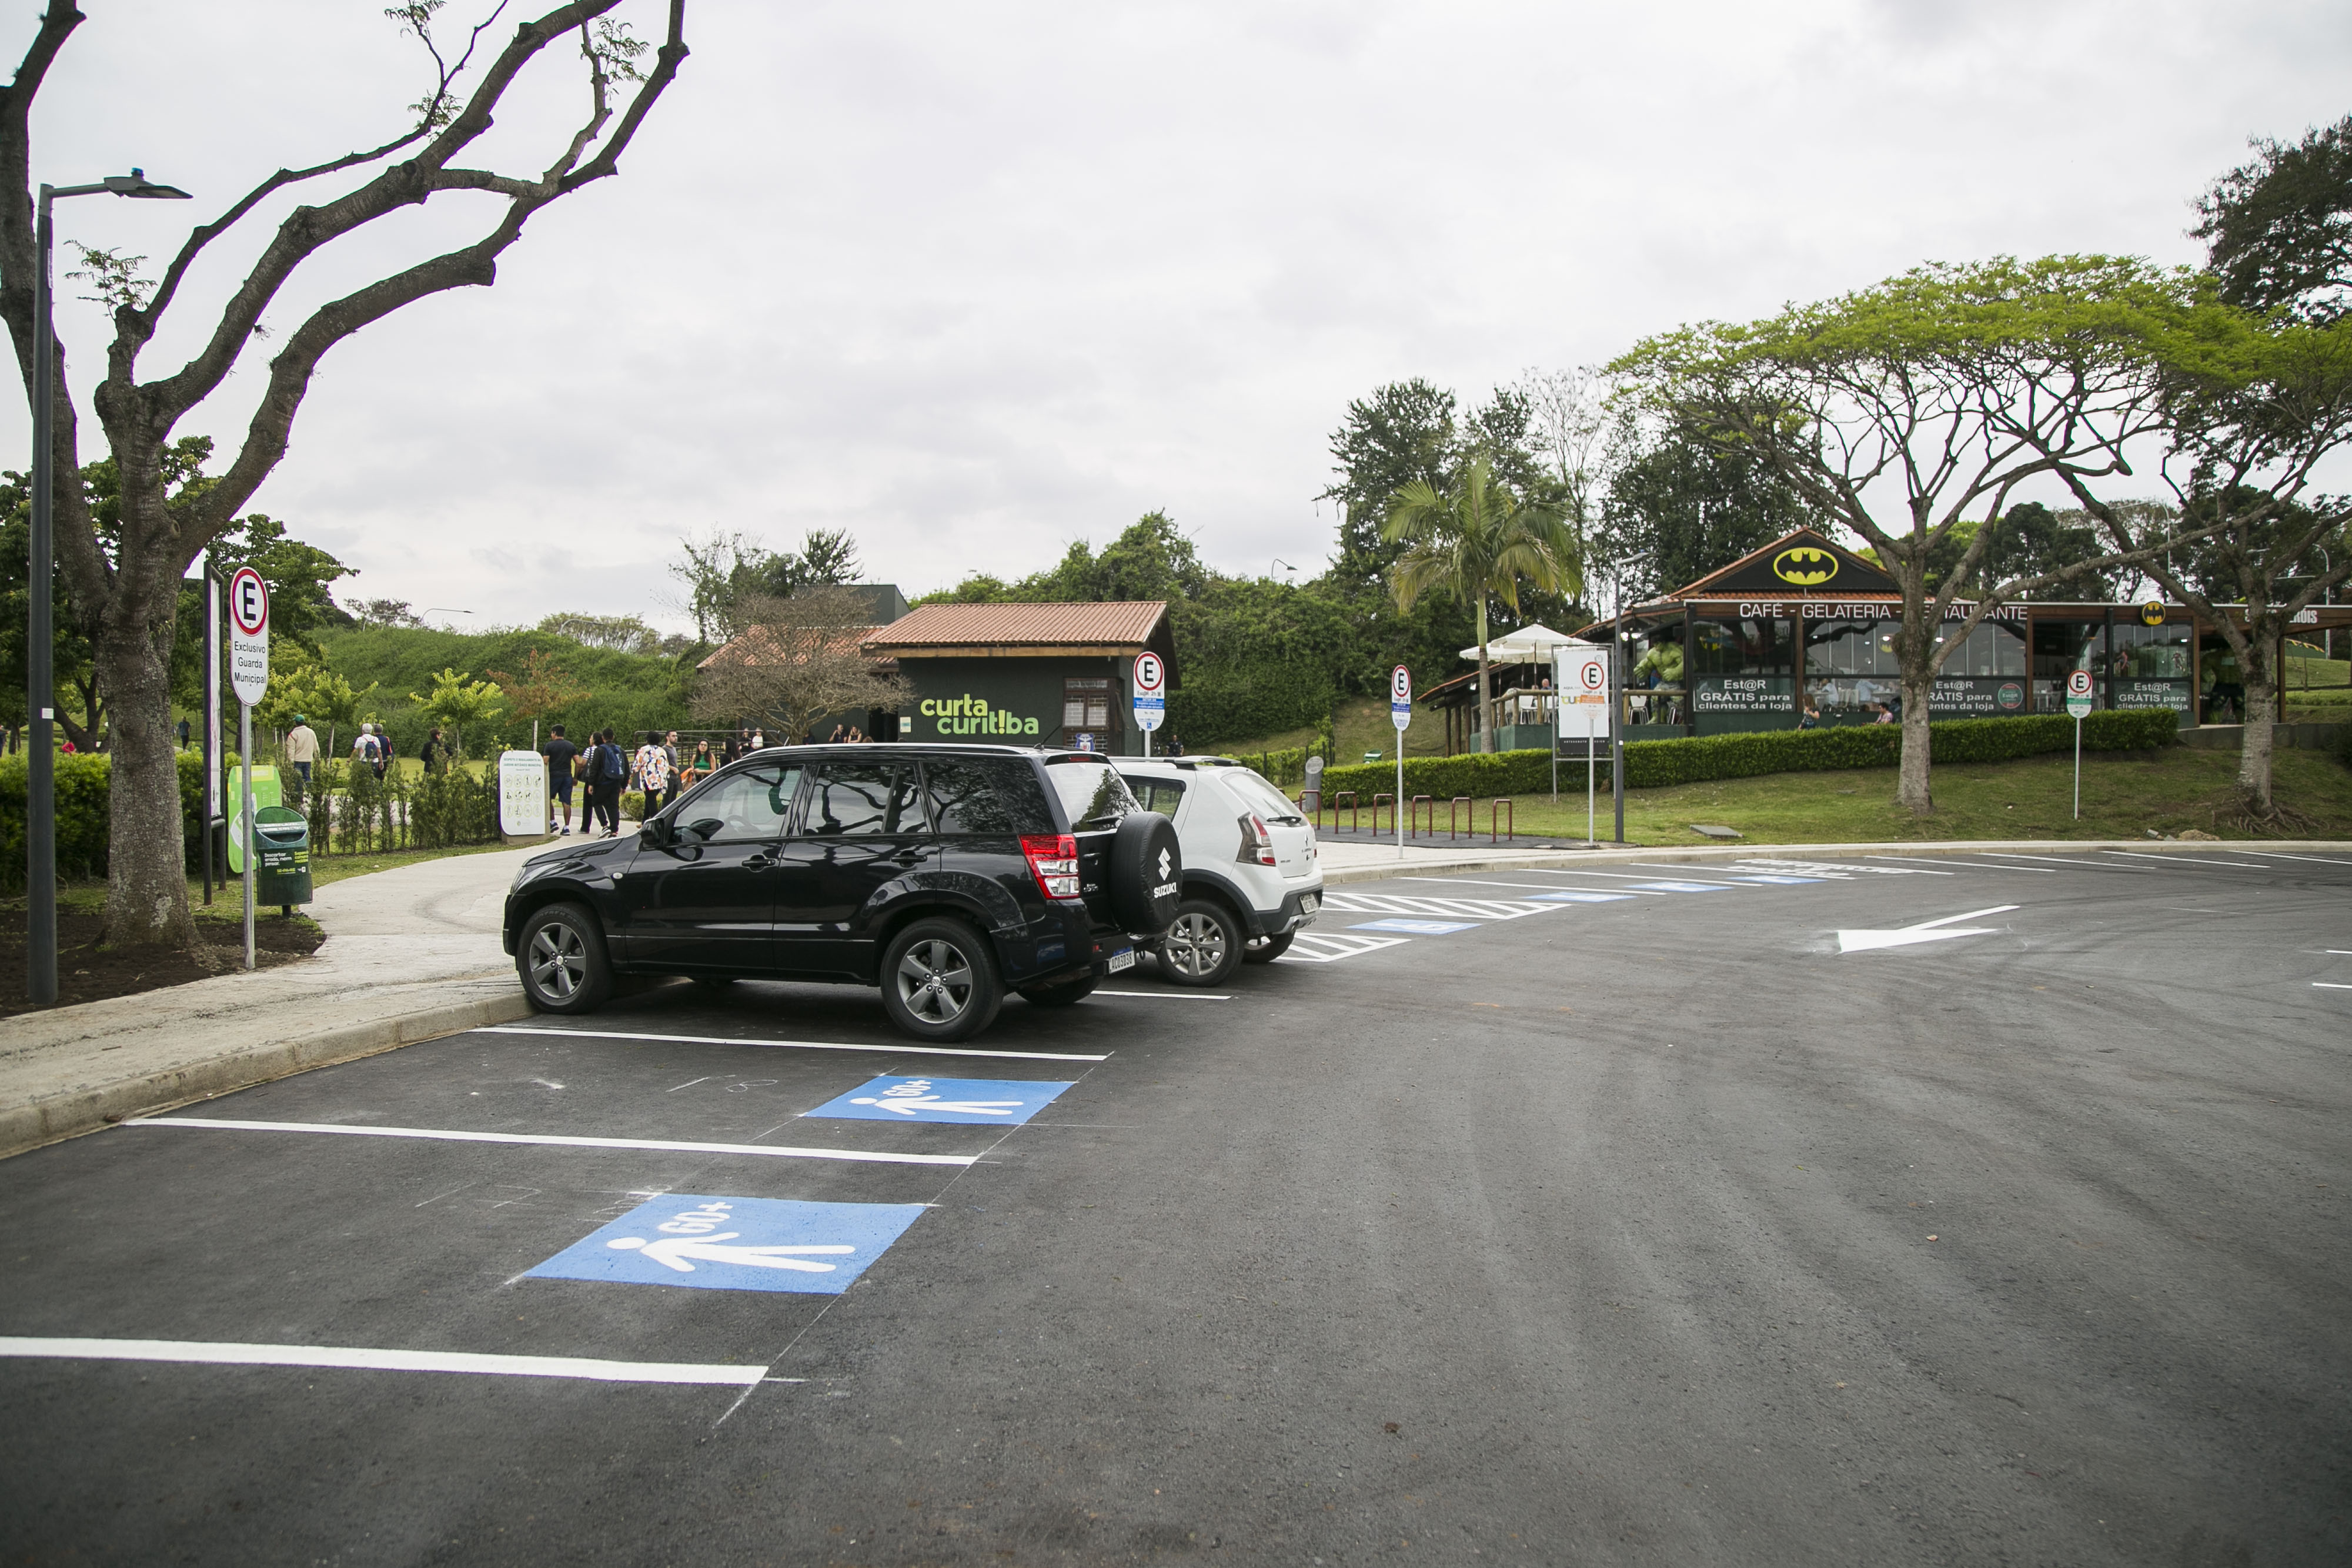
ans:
(1580, 675)
(523, 794)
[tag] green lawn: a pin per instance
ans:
(2123, 797)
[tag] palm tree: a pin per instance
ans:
(1474, 540)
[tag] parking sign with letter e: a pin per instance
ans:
(249, 635)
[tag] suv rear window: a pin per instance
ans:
(986, 795)
(1255, 792)
(1091, 793)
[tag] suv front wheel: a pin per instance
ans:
(940, 980)
(563, 960)
(1204, 946)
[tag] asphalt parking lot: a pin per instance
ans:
(1857, 1210)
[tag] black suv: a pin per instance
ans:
(946, 875)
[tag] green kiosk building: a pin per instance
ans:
(1025, 674)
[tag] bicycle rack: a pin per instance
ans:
(1510, 813)
(1459, 803)
(1377, 801)
(1413, 816)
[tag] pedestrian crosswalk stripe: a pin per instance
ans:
(1332, 947)
(1354, 903)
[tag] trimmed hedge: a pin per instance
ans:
(1650, 764)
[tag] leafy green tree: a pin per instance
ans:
(1900, 410)
(458, 700)
(125, 591)
(1680, 508)
(1474, 542)
(2278, 229)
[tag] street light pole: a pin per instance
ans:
(40, 632)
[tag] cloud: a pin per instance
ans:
(973, 281)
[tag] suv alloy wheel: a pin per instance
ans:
(940, 980)
(562, 961)
(1204, 946)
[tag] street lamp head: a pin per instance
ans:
(136, 185)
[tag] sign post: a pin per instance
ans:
(1580, 675)
(1150, 695)
(1400, 714)
(2078, 705)
(248, 676)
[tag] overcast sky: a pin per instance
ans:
(974, 280)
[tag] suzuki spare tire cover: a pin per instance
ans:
(1147, 873)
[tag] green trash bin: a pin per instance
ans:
(282, 874)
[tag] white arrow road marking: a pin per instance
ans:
(907, 1105)
(1925, 931)
(672, 1252)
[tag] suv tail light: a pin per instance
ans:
(1055, 863)
(1257, 844)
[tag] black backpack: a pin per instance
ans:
(612, 767)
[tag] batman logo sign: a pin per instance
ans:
(1805, 566)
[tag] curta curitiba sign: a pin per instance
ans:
(968, 715)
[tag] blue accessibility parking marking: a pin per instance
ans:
(1581, 897)
(1680, 886)
(1418, 927)
(704, 1243)
(982, 1101)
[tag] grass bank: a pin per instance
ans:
(2124, 796)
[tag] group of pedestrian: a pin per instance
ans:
(597, 770)
(371, 750)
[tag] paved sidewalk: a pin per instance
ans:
(410, 954)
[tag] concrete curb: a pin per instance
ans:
(1530, 860)
(53, 1118)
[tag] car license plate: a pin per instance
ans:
(1310, 902)
(1122, 959)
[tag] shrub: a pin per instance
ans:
(1223, 705)
(1650, 764)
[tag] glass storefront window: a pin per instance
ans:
(1656, 693)
(1994, 648)
(2222, 685)
(2060, 648)
(2147, 666)
(1742, 673)
(1851, 670)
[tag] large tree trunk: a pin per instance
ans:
(146, 881)
(2262, 717)
(1911, 791)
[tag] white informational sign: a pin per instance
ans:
(523, 794)
(2078, 693)
(249, 635)
(1151, 692)
(1401, 698)
(1582, 678)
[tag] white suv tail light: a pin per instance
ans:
(1055, 863)
(1257, 844)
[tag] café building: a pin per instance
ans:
(1802, 632)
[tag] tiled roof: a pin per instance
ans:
(1042, 626)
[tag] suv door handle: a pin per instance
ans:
(909, 857)
(758, 862)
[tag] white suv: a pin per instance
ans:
(1251, 879)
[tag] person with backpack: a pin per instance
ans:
(652, 770)
(612, 773)
(559, 753)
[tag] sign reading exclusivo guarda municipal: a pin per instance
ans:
(968, 715)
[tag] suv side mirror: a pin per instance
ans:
(654, 834)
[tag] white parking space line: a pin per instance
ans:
(1168, 996)
(775, 1151)
(2190, 860)
(1619, 876)
(1682, 873)
(2332, 985)
(2282, 855)
(1969, 865)
(2080, 863)
(219, 1354)
(781, 1044)
(1329, 947)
